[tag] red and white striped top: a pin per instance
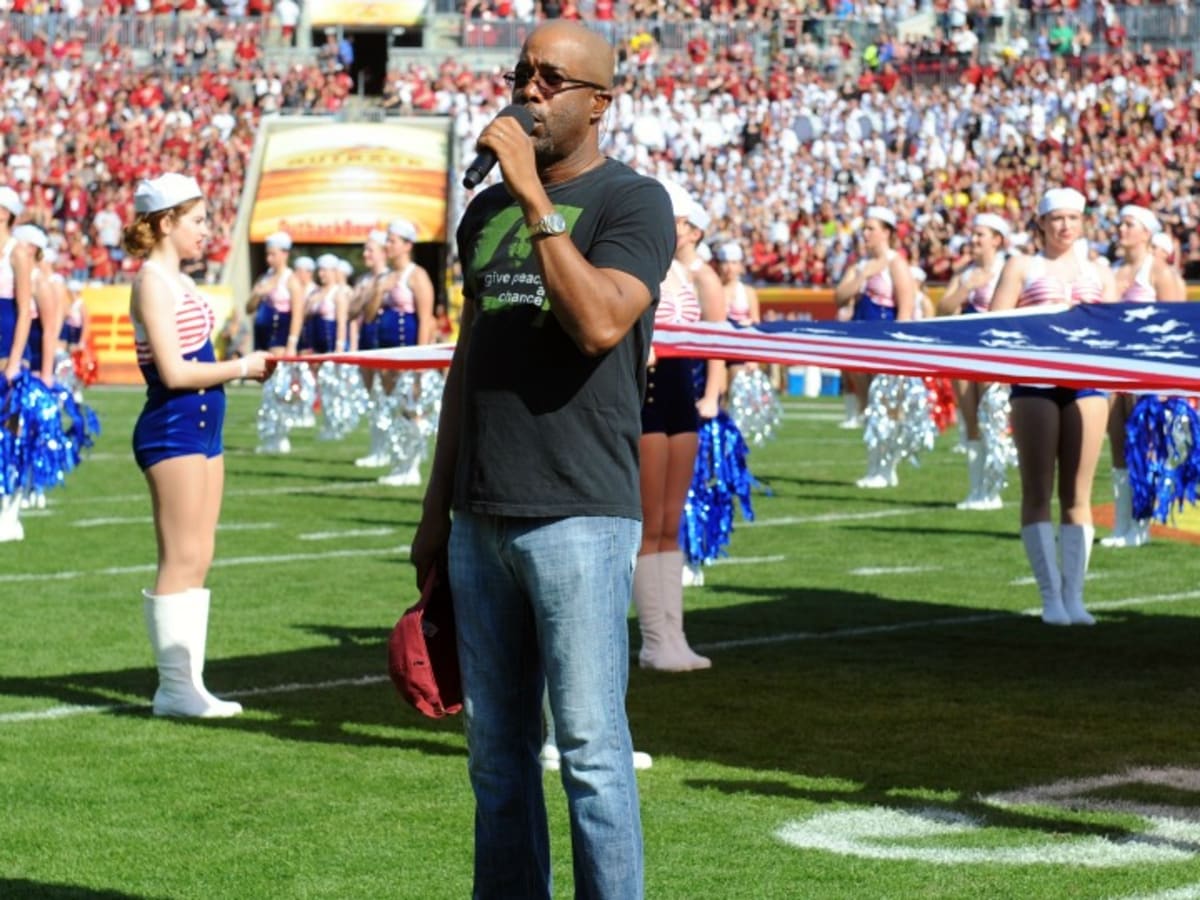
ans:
(1041, 287)
(678, 303)
(400, 296)
(194, 318)
(1140, 290)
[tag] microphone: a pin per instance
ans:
(484, 161)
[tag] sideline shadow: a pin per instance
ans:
(23, 889)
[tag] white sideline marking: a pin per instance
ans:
(829, 517)
(146, 520)
(746, 560)
(217, 564)
(352, 533)
(894, 570)
(125, 499)
(1187, 892)
(64, 711)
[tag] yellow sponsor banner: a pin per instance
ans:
(110, 332)
(366, 12)
(332, 183)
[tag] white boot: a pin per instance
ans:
(1076, 550)
(1127, 531)
(975, 461)
(404, 477)
(672, 605)
(852, 419)
(178, 628)
(657, 651)
(11, 528)
(1038, 539)
(377, 422)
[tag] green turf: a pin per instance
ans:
(837, 689)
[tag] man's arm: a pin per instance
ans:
(433, 533)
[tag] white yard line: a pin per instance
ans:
(146, 520)
(351, 533)
(830, 517)
(870, 571)
(219, 563)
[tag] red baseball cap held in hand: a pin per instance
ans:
(422, 653)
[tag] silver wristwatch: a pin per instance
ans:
(550, 224)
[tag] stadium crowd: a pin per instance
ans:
(785, 157)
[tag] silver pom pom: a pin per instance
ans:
(999, 450)
(754, 405)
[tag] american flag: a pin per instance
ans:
(1118, 346)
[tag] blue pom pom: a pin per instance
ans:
(1162, 453)
(720, 475)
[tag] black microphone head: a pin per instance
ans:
(483, 162)
(523, 116)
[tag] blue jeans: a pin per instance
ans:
(544, 603)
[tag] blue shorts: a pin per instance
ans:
(8, 325)
(670, 404)
(397, 329)
(270, 327)
(867, 310)
(33, 349)
(368, 335)
(179, 423)
(1060, 396)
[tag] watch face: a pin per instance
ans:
(552, 224)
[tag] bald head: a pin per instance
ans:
(583, 52)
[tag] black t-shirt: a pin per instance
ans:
(546, 430)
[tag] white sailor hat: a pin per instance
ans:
(1142, 216)
(304, 262)
(327, 261)
(377, 236)
(882, 214)
(74, 285)
(280, 240)
(918, 274)
(10, 200)
(996, 223)
(1061, 198)
(704, 251)
(31, 234)
(164, 192)
(1162, 241)
(346, 266)
(730, 252)
(681, 200)
(402, 228)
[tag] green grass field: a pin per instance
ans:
(884, 718)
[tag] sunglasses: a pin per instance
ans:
(548, 83)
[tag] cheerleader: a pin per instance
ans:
(364, 335)
(277, 306)
(741, 300)
(878, 287)
(47, 296)
(405, 310)
(16, 298)
(274, 297)
(177, 438)
(1142, 277)
(970, 292)
(72, 335)
(1057, 428)
(671, 414)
